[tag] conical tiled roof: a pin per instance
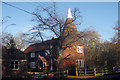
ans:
(70, 33)
(69, 27)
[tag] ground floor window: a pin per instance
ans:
(14, 65)
(32, 65)
(80, 63)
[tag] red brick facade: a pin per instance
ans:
(14, 63)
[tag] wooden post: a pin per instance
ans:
(85, 72)
(102, 71)
(51, 65)
(67, 71)
(76, 71)
(94, 71)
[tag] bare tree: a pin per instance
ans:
(19, 41)
(49, 19)
(6, 38)
(116, 37)
(92, 46)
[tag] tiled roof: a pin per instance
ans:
(69, 27)
(13, 54)
(41, 46)
(70, 34)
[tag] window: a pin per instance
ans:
(14, 65)
(79, 49)
(32, 65)
(80, 63)
(32, 55)
(47, 52)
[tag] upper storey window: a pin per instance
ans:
(79, 49)
(32, 55)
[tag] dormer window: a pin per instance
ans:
(32, 55)
(79, 49)
(47, 52)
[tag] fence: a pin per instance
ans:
(79, 72)
(95, 71)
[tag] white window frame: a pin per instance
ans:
(32, 55)
(47, 52)
(79, 49)
(80, 62)
(14, 65)
(32, 65)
